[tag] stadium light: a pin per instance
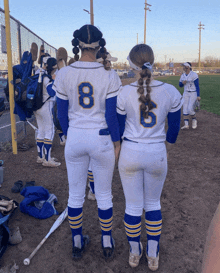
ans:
(201, 26)
(91, 12)
(145, 18)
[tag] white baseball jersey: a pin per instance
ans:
(190, 78)
(165, 98)
(86, 85)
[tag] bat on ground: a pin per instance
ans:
(35, 128)
(56, 224)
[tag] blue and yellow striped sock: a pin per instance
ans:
(133, 232)
(91, 181)
(153, 223)
(105, 220)
(75, 217)
(40, 146)
(47, 147)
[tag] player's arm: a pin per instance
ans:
(121, 121)
(211, 261)
(62, 110)
(112, 122)
(181, 81)
(50, 90)
(196, 82)
(121, 113)
(174, 120)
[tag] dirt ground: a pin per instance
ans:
(189, 199)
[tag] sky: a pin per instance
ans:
(171, 28)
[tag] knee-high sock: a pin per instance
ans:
(75, 217)
(91, 181)
(153, 223)
(133, 232)
(40, 147)
(105, 220)
(47, 148)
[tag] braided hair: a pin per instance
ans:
(89, 38)
(139, 55)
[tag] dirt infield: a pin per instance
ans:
(189, 200)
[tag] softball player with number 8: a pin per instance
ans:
(143, 107)
(86, 102)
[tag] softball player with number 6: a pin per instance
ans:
(143, 107)
(86, 102)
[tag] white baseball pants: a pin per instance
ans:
(84, 146)
(44, 120)
(143, 170)
(189, 100)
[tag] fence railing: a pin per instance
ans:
(21, 40)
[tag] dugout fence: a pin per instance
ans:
(21, 40)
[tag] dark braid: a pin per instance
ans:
(75, 43)
(103, 52)
(139, 55)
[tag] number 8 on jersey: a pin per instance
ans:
(86, 99)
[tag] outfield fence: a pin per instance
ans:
(21, 40)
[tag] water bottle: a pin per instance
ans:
(1, 172)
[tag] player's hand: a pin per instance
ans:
(184, 82)
(117, 146)
(198, 98)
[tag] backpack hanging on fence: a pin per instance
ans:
(34, 100)
(28, 91)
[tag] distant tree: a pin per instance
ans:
(211, 61)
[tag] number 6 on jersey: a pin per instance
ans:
(151, 115)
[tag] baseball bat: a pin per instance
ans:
(35, 128)
(56, 224)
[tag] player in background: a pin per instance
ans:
(190, 80)
(143, 107)
(99, 59)
(86, 102)
(211, 261)
(44, 119)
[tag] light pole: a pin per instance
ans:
(10, 77)
(201, 26)
(91, 12)
(145, 19)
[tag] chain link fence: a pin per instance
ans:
(21, 40)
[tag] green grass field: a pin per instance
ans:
(209, 91)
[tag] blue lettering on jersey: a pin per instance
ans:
(86, 99)
(151, 114)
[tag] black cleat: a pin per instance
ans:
(108, 252)
(77, 252)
